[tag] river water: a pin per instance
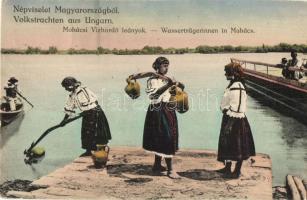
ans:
(282, 137)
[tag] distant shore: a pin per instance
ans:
(152, 50)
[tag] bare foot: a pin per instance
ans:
(173, 175)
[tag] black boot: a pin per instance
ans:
(157, 167)
(237, 172)
(170, 172)
(86, 153)
(226, 169)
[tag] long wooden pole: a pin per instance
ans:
(300, 187)
(293, 188)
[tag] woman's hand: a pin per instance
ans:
(180, 85)
(63, 122)
(170, 81)
(129, 79)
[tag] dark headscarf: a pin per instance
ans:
(70, 81)
(159, 61)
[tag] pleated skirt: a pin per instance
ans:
(95, 128)
(239, 143)
(160, 134)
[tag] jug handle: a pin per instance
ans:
(129, 80)
(107, 148)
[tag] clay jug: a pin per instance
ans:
(133, 88)
(180, 98)
(100, 156)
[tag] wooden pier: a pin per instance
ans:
(128, 175)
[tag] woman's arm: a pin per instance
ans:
(161, 90)
(179, 84)
(141, 75)
(145, 75)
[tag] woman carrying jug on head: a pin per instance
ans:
(236, 140)
(160, 134)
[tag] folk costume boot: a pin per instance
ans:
(237, 172)
(157, 167)
(170, 172)
(86, 153)
(226, 169)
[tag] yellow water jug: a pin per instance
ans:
(100, 156)
(133, 88)
(180, 98)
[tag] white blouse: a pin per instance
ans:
(153, 84)
(234, 100)
(81, 98)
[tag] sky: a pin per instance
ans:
(272, 22)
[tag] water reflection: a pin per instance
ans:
(9, 130)
(269, 102)
(285, 138)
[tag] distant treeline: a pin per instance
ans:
(282, 47)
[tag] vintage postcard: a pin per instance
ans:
(157, 99)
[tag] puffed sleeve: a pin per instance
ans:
(152, 86)
(92, 95)
(225, 101)
(69, 106)
(237, 100)
(86, 97)
(234, 99)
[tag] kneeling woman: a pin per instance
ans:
(236, 140)
(161, 129)
(95, 128)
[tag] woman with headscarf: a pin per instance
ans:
(236, 140)
(95, 128)
(160, 134)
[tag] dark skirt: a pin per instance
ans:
(95, 128)
(161, 130)
(239, 143)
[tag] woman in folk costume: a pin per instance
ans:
(95, 128)
(236, 140)
(160, 134)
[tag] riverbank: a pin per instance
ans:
(152, 50)
(128, 176)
